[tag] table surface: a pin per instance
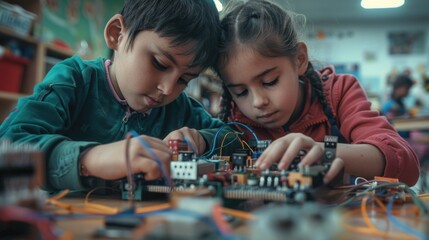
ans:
(410, 123)
(352, 224)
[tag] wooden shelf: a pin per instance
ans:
(7, 32)
(35, 70)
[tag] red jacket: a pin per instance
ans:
(356, 121)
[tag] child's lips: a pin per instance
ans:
(269, 117)
(152, 102)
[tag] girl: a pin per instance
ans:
(271, 86)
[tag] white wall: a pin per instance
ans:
(367, 45)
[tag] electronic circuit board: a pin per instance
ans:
(235, 177)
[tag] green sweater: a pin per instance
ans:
(74, 108)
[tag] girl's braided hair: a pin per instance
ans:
(266, 28)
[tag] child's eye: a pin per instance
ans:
(241, 94)
(272, 83)
(158, 65)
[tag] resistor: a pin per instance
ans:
(276, 181)
(261, 181)
(269, 181)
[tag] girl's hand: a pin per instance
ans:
(285, 149)
(193, 138)
(108, 161)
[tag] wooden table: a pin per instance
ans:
(350, 220)
(410, 123)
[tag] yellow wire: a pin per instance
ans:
(223, 140)
(93, 190)
(247, 146)
(153, 208)
(107, 209)
(94, 208)
(60, 195)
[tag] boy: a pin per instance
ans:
(80, 113)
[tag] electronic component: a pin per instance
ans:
(238, 179)
(239, 161)
(191, 218)
(330, 148)
(190, 170)
(329, 156)
(21, 174)
(137, 192)
(176, 146)
(120, 226)
(305, 221)
(184, 156)
(258, 146)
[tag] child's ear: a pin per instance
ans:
(302, 58)
(114, 30)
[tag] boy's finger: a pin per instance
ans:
(155, 143)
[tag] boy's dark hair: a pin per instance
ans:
(266, 28)
(403, 80)
(186, 21)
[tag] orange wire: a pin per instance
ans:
(365, 213)
(247, 146)
(374, 229)
(369, 231)
(223, 140)
(220, 220)
(153, 208)
(239, 214)
(59, 195)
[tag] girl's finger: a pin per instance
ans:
(290, 154)
(312, 156)
(336, 167)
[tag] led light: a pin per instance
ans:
(370, 4)
(218, 5)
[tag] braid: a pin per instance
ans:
(316, 84)
(225, 105)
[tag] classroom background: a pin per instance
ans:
(375, 45)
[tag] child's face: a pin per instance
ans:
(266, 89)
(402, 91)
(152, 73)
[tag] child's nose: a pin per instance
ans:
(167, 84)
(260, 100)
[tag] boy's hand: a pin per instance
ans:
(285, 149)
(192, 136)
(108, 161)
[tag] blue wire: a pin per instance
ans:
(190, 144)
(401, 225)
(146, 146)
(247, 127)
(220, 129)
